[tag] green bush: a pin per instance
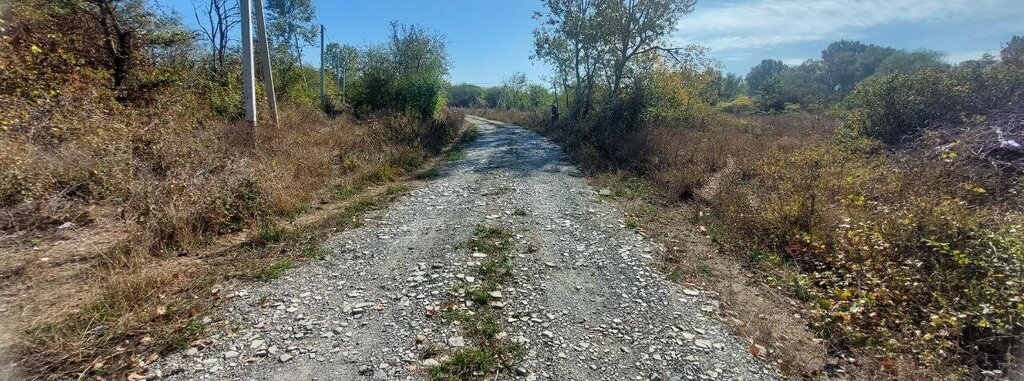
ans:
(421, 95)
(891, 107)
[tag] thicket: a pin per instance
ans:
(516, 93)
(162, 140)
(898, 228)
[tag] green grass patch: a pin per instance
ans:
(344, 192)
(314, 252)
(428, 174)
(464, 365)
(490, 240)
(455, 155)
(632, 223)
(274, 271)
(480, 321)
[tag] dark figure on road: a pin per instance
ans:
(554, 115)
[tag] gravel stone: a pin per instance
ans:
(584, 301)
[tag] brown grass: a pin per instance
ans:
(159, 212)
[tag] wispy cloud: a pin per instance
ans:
(769, 23)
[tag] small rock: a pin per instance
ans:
(457, 341)
(285, 358)
(365, 370)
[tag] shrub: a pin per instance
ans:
(741, 105)
(898, 255)
(891, 107)
(422, 95)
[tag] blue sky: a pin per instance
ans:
(488, 40)
(742, 32)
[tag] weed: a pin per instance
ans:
(428, 174)
(674, 276)
(490, 240)
(455, 155)
(464, 365)
(499, 191)
(314, 252)
(632, 223)
(269, 233)
(343, 192)
(395, 189)
(480, 321)
(274, 271)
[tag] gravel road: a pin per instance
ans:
(584, 301)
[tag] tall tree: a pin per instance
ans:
(630, 28)
(291, 28)
(848, 62)
(217, 21)
(568, 40)
(418, 52)
(1013, 52)
(730, 86)
(514, 92)
(466, 95)
(763, 73)
(342, 62)
(124, 31)
(909, 62)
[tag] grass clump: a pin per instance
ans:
(482, 321)
(466, 364)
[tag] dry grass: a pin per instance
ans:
(158, 205)
(122, 206)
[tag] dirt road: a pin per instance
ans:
(582, 301)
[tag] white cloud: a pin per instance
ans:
(768, 23)
(793, 61)
(958, 57)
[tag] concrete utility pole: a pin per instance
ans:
(323, 84)
(248, 81)
(268, 73)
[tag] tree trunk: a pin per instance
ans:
(117, 41)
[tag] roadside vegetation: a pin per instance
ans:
(477, 309)
(879, 188)
(118, 121)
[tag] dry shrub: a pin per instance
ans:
(904, 255)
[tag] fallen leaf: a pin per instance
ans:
(888, 364)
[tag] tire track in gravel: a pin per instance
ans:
(584, 301)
